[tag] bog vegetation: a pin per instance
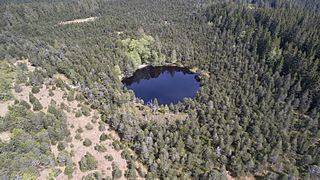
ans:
(258, 114)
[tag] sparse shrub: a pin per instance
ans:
(56, 172)
(116, 172)
(79, 97)
(89, 126)
(35, 89)
(17, 88)
(102, 127)
(69, 139)
(93, 120)
(103, 137)
(87, 142)
(60, 84)
(80, 130)
(85, 110)
(116, 145)
(70, 97)
(78, 113)
(88, 162)
(92, 176)
(61, 146)
(109, 157)
(78, 136)
(16, 101)
(100, 148)
(68, 170)
(35, 102)
(51, 93)
(25, 104)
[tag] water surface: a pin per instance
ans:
(165, 83)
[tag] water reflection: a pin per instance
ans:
(165, 83)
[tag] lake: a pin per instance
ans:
(167, 84)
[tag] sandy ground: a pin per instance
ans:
(90, 19)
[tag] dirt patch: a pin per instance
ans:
(90, 19)
(4, 107)
(5, 136)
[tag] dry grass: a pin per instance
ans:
(90, 19)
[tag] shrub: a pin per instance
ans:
(103, 137)
(87, 142)
(85, 110)
(94, 175)
(109, 157)
(70, 96)
(68, 170)
(25, 104)
(17, 88)
(89, 126)
(61, 146)
(102, 127)
(88, 162)
(35, 102)
(60, 84)
(116, 145)
(35, 89)
(80, 130)
(78, 136)
(116, 172)
(51, 93)
(78, 113)
(100, 148)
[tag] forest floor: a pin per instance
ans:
(90, 19)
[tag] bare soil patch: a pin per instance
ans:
(5, 136)
(90, 19)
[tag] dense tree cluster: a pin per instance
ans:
(257, 114)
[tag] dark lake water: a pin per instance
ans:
(166, 83)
